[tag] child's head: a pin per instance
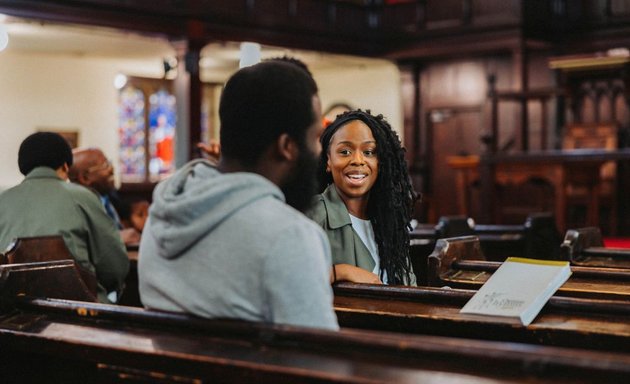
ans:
(133, 213)
(139, 214)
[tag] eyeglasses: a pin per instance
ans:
(101, 167)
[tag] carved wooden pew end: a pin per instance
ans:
(448, 251)
(577, 240)
(585, 247)
(43, 266)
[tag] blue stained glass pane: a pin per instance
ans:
(131, 133)
(162, 119)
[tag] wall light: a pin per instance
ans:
(4, 37)
(250, 54)
(120, 81)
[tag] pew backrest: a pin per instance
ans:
(39, 249)
(149, 345)
(542, 237)
(454, 226)
(59, 279)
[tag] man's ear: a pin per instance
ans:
(62, 171)
(287, 147)
(82, 178)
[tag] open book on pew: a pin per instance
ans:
(519, 289)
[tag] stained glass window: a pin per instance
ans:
(147, 118)
(131, 131)
(147, 121)
(162, 119)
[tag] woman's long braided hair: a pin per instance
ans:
(392, 196)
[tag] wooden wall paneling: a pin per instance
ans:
(314, 14)
(415, 154)
(446, 13)
(408, 16)
(454, 131)
(495, 11)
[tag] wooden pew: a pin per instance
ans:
(65, 341)
(56, 279)
(131, 295)
(564, 321)
(585, 247)
(459, 263)
(45, 249)
(536, 238)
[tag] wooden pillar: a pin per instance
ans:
(522, 76)
(493, 140)
(488, 192)
(194, 107)
(543, 123)
(195, 31)
(188, 92)
(411, 101)
(560, 109)
(182, 94)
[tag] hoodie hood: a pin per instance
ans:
(196, 199)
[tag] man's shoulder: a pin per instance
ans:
(276, 215)
(81, 194)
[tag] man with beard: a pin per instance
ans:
(221, 241)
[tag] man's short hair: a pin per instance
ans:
(43, 149)
(261, 102)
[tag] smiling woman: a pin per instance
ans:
(366, 202)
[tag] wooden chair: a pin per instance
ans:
(584, 192)
(42, 249)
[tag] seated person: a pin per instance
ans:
(46, 204)
(92, 170)
(367, 202)
(220, 241)
(133, 213)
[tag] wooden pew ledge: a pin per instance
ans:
(128, 340)
(459, 297)
(617, 274)
(563, 322)
(585, 282)
(500, 229)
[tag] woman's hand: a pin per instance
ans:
(347, 272)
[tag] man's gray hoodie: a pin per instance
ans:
(227, 246)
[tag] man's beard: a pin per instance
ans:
(302, 184)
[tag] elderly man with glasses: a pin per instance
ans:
(93, 170)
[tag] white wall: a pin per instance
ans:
(375, 86)
(59, 92)
(44, 91)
